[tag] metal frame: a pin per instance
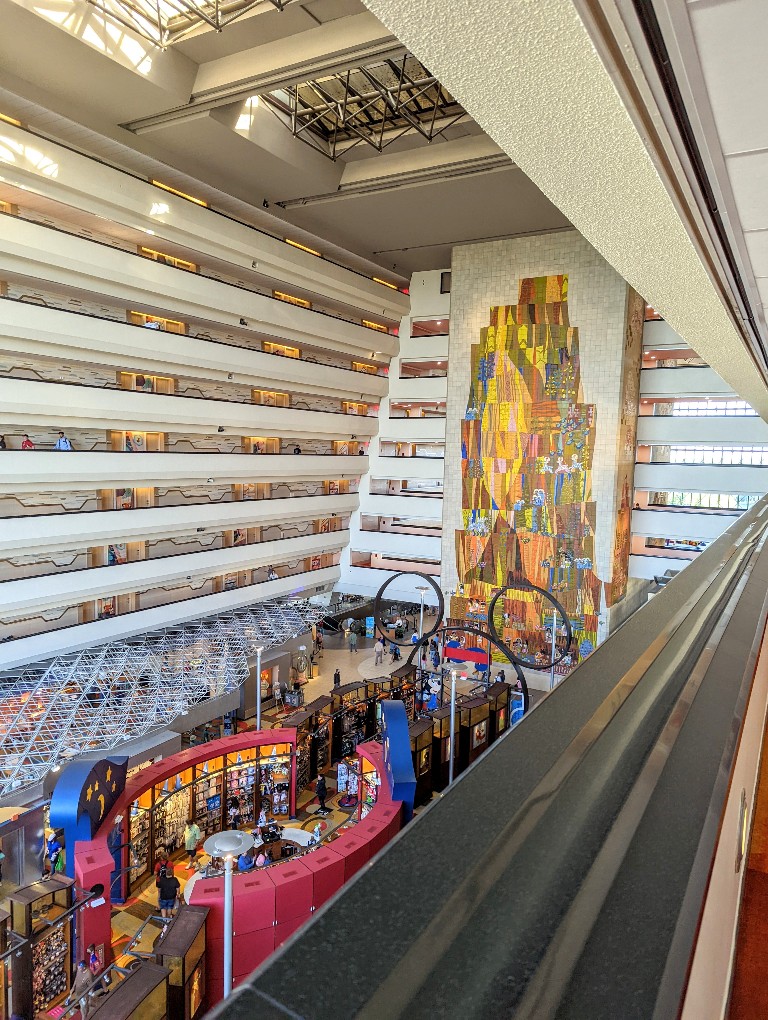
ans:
(165, 22)
(99, 698)
(376, 104)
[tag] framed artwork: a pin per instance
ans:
(325, 526)
(106, 607)
(333, 488)
(135, 442)
(116, 554)
(315, 564)
(239, 537)
(125, 499)
(425, 760)
(479, 733)
(249, 490)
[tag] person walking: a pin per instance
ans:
(337, 677)
(3, 445)
(26, 443)
(191, 839)
(379, 650)
(62, 443)
(79, 990)
(322, 792)
(353, 641)
(168, 887)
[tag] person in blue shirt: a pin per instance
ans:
(62, 443)
(245, 861)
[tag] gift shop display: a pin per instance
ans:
(474, 730)
(303, 722)
(351, 723)
(5, 918)
(221, 790)
(348, 782)
(441, 741)
(141, 995)
(181, 949)
(499, 709)
(420, 733)
(320, 748)
(41, 973)
(369, 783)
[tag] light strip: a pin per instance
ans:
(10, 120)
(375, 325)
(291, 299)
(181, 194)
(295, 244)
(385, 283)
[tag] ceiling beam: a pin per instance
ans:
(337, 46)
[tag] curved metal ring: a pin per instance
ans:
(487, 637)
(527, 586)
(379, 623)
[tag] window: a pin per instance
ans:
(708, 409)
(445, 282)
(271, 399)
(354, 407)
(704, 500)
(291, 299)
(282, 349)
(429, 327)
(755, 456)
(168, 260)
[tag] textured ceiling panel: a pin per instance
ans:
(530, 76)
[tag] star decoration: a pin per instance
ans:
(89, 793)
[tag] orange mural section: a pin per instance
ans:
(527, 449)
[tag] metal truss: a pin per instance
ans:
(99, 698)
(376, 104)
(165, 22)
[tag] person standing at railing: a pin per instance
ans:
(62, 443)
(26, 443)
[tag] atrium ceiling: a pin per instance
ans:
(314, 115)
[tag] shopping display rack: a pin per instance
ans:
(101, 697)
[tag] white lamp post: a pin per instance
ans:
(228, 844)
(259, 650)
(452, 735)
(421, 588)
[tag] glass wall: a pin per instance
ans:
(708, 409)
(704, 500)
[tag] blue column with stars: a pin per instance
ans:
(82, 798)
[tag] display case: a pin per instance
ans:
(208, 796)
(275, 779)
(441, 731)
(474, 732)
(242, 785)
(369, 783)
(349, 708)
(142, 995)
(5, 919)
(320, 748)
(498, 705)
(348, 782)
(302, 722)
(403, 688)
(421, 751)
(42, 969)
(181, 950)
(140, 837)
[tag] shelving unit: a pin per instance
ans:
(42, 969)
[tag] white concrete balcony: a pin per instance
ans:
(648, 567)
(53, 471)
(433, 347)
(37, 647)
(408, 467)
(92, 186)
(658, 334)
(53, 532)
(666, 430)
(398, 545)
(32, 250)
(674, 383)
(426, 508)
(54, 333)
(701, 478)
(62, 406)
(36, 595)
(412, 430)
(658, 522)
(428, 388)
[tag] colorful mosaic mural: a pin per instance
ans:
(527, 449)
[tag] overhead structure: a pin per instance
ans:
(165, 22)
(376, 104)
(101, 697)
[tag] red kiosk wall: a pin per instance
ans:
(293, 888)
(93, 866)
(327, 874)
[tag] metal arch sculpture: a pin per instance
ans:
(527, 586)
(423, 642)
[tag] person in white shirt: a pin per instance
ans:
(379, 649)
(62, 443)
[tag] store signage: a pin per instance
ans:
(398, 763)
(83, 797)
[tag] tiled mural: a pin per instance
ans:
(527, 451)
